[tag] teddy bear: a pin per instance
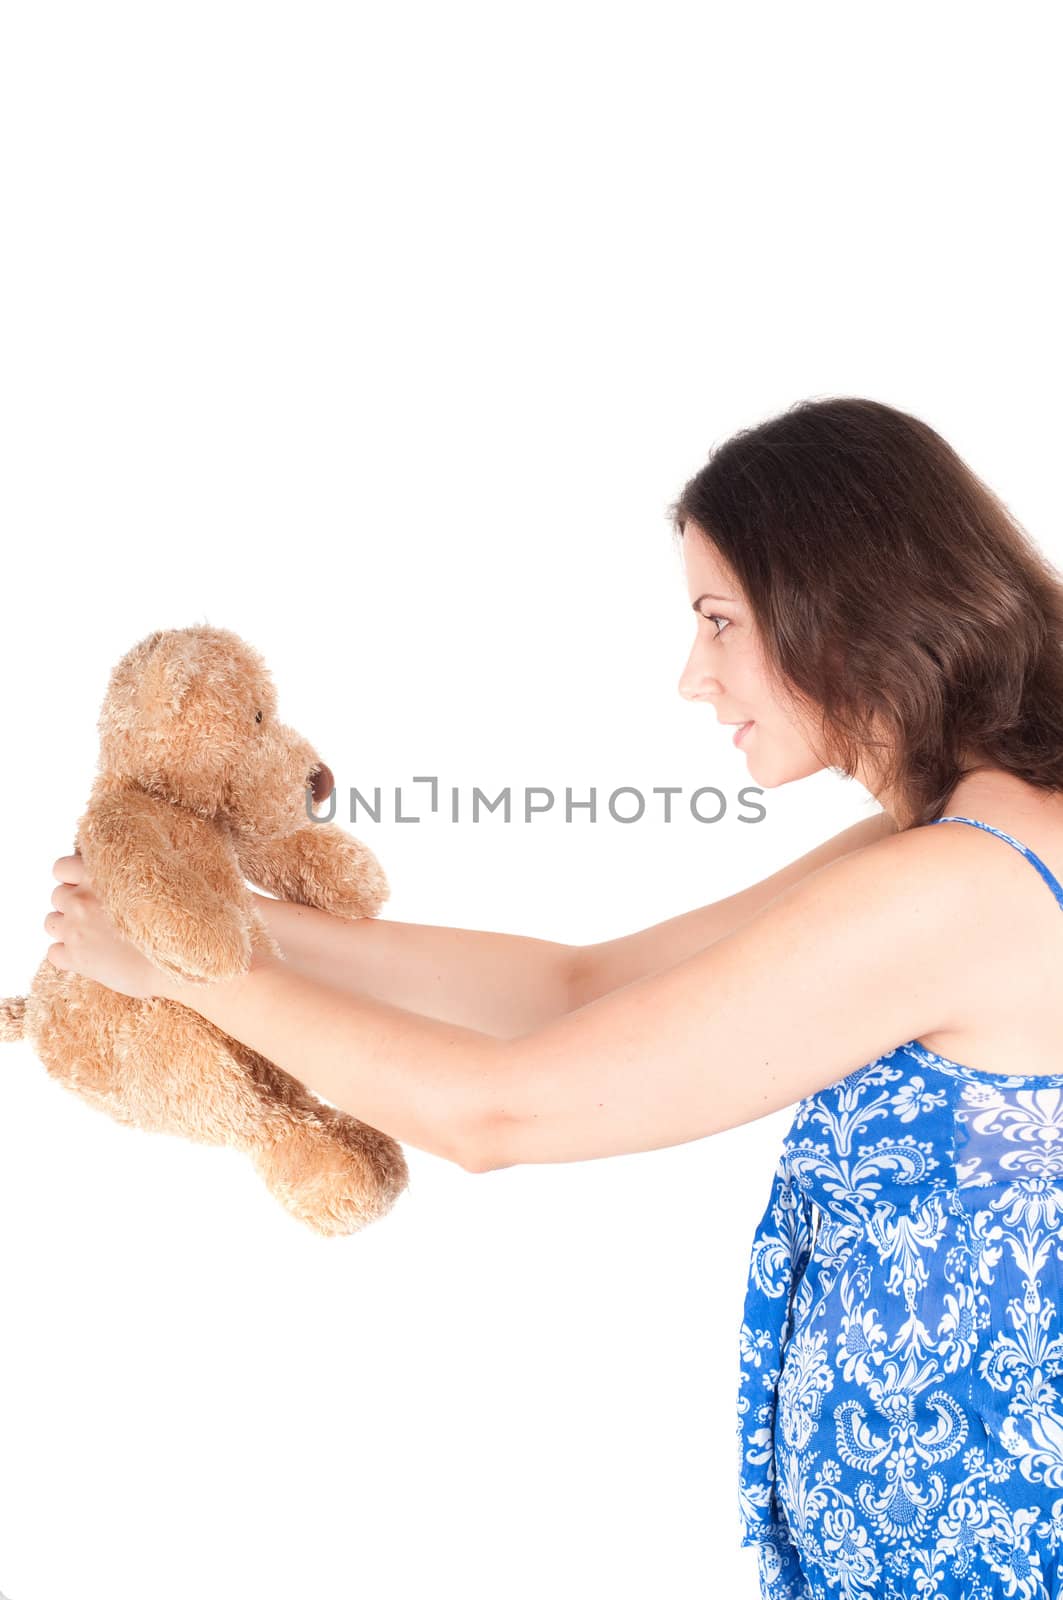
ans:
(199, 786)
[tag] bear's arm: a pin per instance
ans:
(171, 884)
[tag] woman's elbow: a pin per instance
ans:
(487, 1151)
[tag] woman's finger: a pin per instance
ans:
(53, 924)
(69, 869)
(63, 896)
(56, 954)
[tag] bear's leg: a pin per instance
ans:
(328, 1169)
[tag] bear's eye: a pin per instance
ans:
(258, 716)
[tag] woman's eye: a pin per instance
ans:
(712, 617)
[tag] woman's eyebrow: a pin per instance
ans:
(694, 604)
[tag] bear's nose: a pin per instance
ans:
(321, 782)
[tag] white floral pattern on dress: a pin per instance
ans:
(900, 1396)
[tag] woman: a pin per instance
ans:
(863, 602)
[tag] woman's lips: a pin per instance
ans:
(740, 733)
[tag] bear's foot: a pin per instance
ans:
(333, 1172)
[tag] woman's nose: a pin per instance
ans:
(697, 684)
(698, 694)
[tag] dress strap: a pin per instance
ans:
(1052, 882)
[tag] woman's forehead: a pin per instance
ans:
(705, 567)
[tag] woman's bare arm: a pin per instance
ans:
(740, 1029)
(503, 984)
(881, 947)
(599, 969)
(507, 984)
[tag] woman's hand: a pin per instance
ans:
(88, 941)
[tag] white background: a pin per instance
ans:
(384, 335)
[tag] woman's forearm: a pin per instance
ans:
(497, 983)
(423, 1081)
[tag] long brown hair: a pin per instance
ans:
(896, 597)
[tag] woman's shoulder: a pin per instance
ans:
(1027, 822)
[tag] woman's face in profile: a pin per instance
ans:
(726, 669)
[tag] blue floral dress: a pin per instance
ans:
(900, 1397)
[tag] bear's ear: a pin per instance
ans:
(166, 677)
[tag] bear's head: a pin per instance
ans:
(190, 714)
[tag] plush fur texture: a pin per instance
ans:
(199, 787)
